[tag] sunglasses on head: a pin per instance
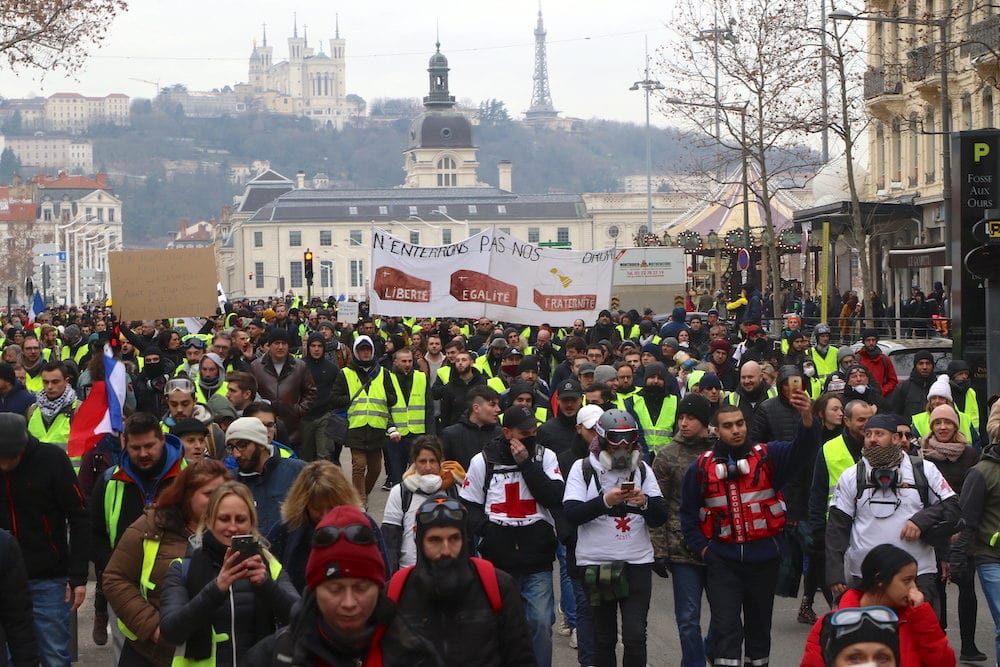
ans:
(354, 533)
(448, 508)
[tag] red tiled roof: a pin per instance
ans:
(69, 182)
(21, 212)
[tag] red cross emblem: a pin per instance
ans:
(622, 524)
(465, 483)
(513, 505)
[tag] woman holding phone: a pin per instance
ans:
(229, 592)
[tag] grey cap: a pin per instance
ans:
(587, 368)
(603, 373)
(13, 435)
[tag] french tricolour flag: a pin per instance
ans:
(101, 412)
(37, 306)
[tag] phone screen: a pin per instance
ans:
(628, 486)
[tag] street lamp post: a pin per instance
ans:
(648, 85)
(942, 25)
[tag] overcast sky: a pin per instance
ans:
(595, 48)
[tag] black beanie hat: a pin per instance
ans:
(697, 406)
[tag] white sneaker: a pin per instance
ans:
(564, 629)
(572, 638)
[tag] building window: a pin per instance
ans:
(295, 271)
(355, 237)
(446, 236)
(562, 234)
(326, 273)
(111, 215)
(987, 108)
(447, 172)
(47, 215)
(353, 210)
(325, 237)
(502, 209)
(533, 235)
(383, 210)
(294, 239)
(357, 273)
(100, 215)
(413, 210)
(414, 238)
(258, 239)
(473, 209)
(258, 275)
(89, 213)
(505, 230)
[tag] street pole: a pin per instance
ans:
(648, 85)
(824, 103)
(954, 235)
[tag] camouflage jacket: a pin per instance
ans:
(669, 467)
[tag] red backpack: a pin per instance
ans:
(487, 577)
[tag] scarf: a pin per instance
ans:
(882, 457)
(51, 407)
(941, 451)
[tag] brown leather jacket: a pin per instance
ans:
(292, 394)
(121, 584)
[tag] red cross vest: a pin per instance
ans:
(740, 505)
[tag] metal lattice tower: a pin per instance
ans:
(541, 98)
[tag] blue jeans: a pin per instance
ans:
(540, 609)
(584, 626)
(989, 577)
(567, 601)
(689, 587)
(52, 620)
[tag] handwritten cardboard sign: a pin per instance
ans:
(151, 284)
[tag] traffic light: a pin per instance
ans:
(309, 267)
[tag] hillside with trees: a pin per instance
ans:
(592, 158)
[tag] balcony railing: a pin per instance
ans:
(983, 38)
(884, 80)
(921, 63)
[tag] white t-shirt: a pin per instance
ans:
(508, 501)
(611, 538)
(869, 531)
(393, 514)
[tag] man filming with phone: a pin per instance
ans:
(733, 516)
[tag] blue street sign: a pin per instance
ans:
(60, 256)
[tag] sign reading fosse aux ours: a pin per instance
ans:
(491, 274)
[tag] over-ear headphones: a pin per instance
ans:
(725, 470)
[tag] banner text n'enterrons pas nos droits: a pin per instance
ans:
(490, 274)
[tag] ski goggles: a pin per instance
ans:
(354, 533)
(845, 621)
(442, 508)
(619, 438)
(179, 384)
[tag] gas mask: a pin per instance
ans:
(809, 370)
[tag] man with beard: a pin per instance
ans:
(654, 409)
(512, 489)
(964, 396)
(753, 390)
(879, 366)
(453, 393)
(603, 329)
(471, 611)
(798, 345)
(732, 517)
(910, 396)
(722, 361)
(150, 463)
(32, 362)
(261, 468)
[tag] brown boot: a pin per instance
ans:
(806, 613)
(100, 633)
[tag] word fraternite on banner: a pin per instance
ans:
(490, 274)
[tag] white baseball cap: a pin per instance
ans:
(588, 416)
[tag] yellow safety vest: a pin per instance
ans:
(57, 432)
(838, 459)
(971, 407)
(497, 385)
(33, 383)
(410, 412)
(444, 374)
(633, 332)
(76, 356)
(369, 407)
(733, 397)
(825, 366)
(922, 424)
(150, 547)
(661, 433)
(541, 416)
(815, 388)
(482, 362)
(199, 395)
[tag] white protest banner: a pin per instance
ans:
(492, 275)
(347, 312)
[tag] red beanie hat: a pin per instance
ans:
(720, 344)
(343, 558)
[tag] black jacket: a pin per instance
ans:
(463, 440)
(464, 629)
(325, 373)
(558, 433)
(910, 396)
(453, 395)
(774, 419)
(39, 499)
(17, 632)
(18, 400)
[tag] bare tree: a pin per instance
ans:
(53, 34)
(762, 63)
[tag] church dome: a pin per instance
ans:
(440, 129)
(437, 60)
